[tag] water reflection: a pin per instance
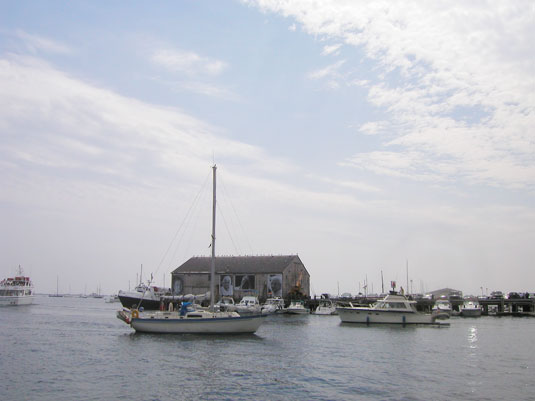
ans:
(472, 337)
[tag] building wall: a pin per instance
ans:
(296, 275)
(190, 283)
(293, 275)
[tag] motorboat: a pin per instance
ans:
(273, 305)
(248, 305)
(297, 308)
(442, 309)
(471, 309)
(189, 319)
(326, 307)
(17, 290)
(146, 296)
(226, 304)
(111, 299)
(392, 309)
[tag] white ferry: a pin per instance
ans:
(16, 290)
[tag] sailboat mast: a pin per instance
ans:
(212, 268)
(407, 276)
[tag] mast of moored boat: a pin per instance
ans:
(212, 268)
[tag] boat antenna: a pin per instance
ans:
(212, 268)
(382, 283)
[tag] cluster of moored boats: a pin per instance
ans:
(191, 317)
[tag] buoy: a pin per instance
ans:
(135, 314)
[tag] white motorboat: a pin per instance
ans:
(226, 304)
(146, 296)
(109, 299)
(326, 307)
(16, 290)
(442, 309)
(471, 309)
(249, 305)
(297, 308)
(273, 305)
(392, 309)
(193, 320)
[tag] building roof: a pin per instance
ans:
(238, 264)
(444, 291)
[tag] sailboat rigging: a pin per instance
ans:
(190, 319)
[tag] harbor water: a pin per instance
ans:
(75, 348)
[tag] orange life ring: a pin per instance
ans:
(135, 314)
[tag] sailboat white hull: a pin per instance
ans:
(215, 325)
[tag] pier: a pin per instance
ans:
(490, 306)
(508, 307)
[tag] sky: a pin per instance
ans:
(369, 138)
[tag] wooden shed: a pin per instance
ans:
(237, 276)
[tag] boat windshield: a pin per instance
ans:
(391, 305)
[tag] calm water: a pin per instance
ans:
(70, 348)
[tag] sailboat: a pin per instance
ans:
(189, 319)
(57, 294)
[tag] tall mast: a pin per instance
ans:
(407, 276)
(212, 269)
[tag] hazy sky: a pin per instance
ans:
(357, 134)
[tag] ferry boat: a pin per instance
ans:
(16, 290)
(392, 309)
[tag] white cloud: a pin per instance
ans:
(331, 71)
(74, 125)
(356, 185)
(188, 62)
(373, 127)
(457, 81)
(332, 49)
(36, 43)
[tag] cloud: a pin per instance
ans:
(333, 49)
(373, 127)
(187, 62)
(36, 44)
(326, 72)
(455, 79)
(354, 185)
(95, 134)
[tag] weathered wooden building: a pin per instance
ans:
(237, 276)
